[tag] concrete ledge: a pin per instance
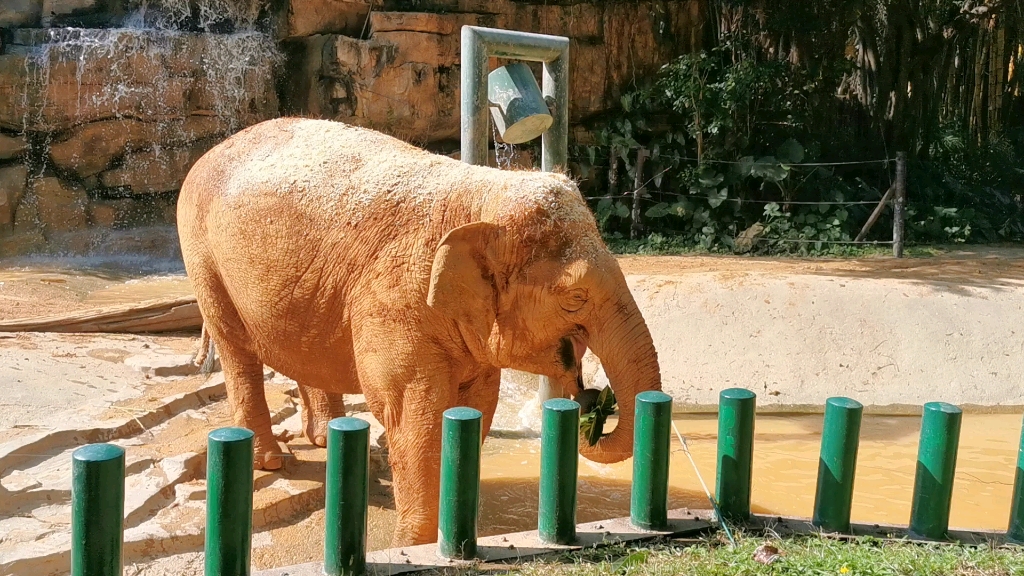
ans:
(516, 546)
(683, 522)
(789, 526)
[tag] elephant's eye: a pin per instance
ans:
(573, 300)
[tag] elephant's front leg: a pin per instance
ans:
(415, 448)
(408, 393)
(414, 452)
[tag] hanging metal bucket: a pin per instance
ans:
(517, 105)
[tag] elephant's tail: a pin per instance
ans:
(205, 357)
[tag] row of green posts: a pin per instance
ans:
(98, 482)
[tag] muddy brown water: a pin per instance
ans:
(784, 471)
(785, 446)
(43, 290)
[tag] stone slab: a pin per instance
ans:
(790, 525)
(162, 365)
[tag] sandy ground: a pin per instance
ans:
(890, 333)
(40, 289)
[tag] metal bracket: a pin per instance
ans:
(478, 45)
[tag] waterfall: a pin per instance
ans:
(117, 116)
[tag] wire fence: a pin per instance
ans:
(742, 200)
(886, 161)
(639, 194)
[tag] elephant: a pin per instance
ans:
(353, 262)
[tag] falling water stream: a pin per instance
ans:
(504, 154)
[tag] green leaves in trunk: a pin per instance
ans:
(592, 423)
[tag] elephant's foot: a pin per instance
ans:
(318, 409)
(414, 535)
(268, 453)
(316, 432)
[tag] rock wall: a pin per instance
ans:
(106, 104)
(404, 77)
(98, 127)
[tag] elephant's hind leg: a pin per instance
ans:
(243, 377)
(243, 369)
(319, 408)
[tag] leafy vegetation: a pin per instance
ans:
(765, 142)
(805, 555)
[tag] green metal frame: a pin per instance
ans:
(478, 45)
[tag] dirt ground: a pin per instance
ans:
(984, 266)
(42, 290)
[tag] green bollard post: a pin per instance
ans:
(840, 437)
(347, 496)
(229, 488)
(1015, 532)
(97, 510)
(461, 430)
(648, 506)
(559, 462)
(736, 407)
(936, 465)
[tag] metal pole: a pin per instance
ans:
(936, 465)
(474, 98)
(97, 510)
(555, 141)
(229, 502)
(648, 507)
(1015, 532)
(461, 430)
(559, 462)
(735, 451)
(899, 205)
(840, 437)
(346, 496)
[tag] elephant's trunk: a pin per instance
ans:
(621, 340)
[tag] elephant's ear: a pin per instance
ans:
(462, 282)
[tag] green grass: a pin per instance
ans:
(800, 555)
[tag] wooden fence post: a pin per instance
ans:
(636, 227)
(875, 214)
(899, 205)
